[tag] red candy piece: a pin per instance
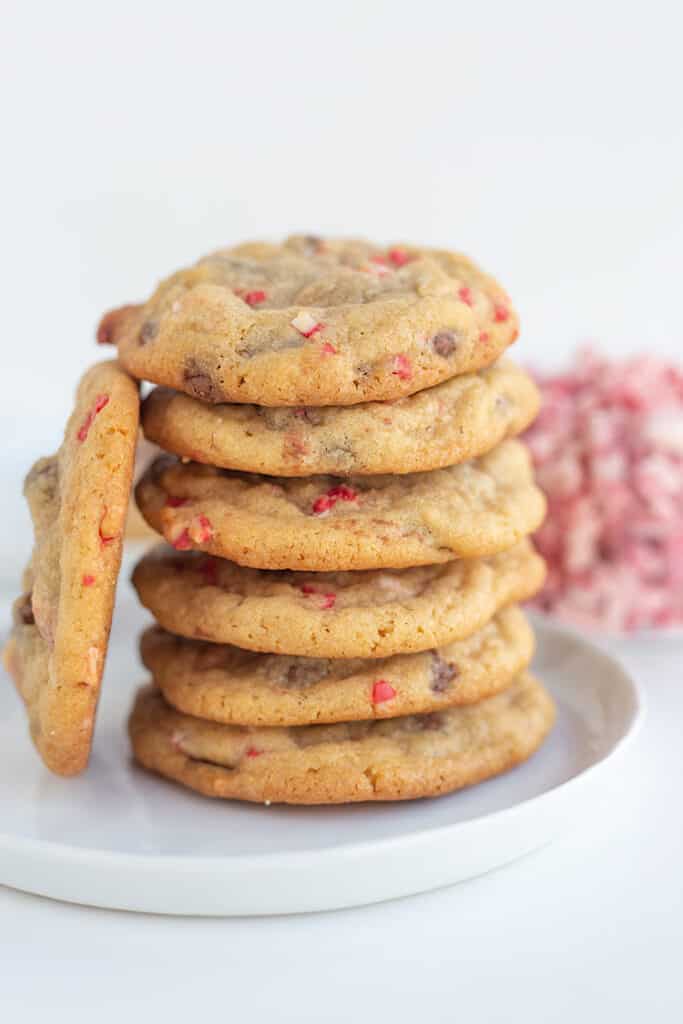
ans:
(329, 349)
(173, 502)
(200, 529)
(382, 691)
(307, 325)
(399, 257)
(324, 600)
(88, 580)
(182, 541)
(402, 367)
(255, 297)
(253, 752)
(327, 501)
(483, 336)
(501, 313)
(99, 405)
(465, 295)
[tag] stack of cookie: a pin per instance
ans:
(345, 511)
(345, 514)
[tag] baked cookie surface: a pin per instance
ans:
(316, 322)
(238, 687)
(370, 614)
(395, 759)
(78, 501)
(452, 422)
(327, 523)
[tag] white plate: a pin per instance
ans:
(119, 838)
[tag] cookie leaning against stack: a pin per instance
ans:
(78, 501)
(346, 515)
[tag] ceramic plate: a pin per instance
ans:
(119, 838)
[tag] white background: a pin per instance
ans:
(543, 139)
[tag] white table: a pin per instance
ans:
(589, 929)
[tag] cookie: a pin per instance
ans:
(396, 759)
(227, 684)
(329, 523)
(371, 614)
(452, 422)
(78, 501)
(314, 322)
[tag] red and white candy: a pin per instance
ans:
(608, 449)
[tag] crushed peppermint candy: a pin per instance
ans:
(398, 256)
(100, 402)
(608, 450)
(328, 500)
(181, 540)
(465, 295)
(306, 324)
(402, 367)
(329, 349)
(382, 691)
(325, 601)
(200, 529)
(255, 297)
(377, 265)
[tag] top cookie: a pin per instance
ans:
(315, 322)
(78, 501)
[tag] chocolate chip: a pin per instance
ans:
(209, 656)
(148, 332)
(342, 454)
(312, 244)
(272, 345)
(431, 722)
(443, 673)
(362, 372)
(200, 384)
(310, 415)
(23, 613)
(305, 671)
(275, 419)
(444, 343)
(46, 471)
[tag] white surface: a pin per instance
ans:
(121, 839)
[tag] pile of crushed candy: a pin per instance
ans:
(608, 449)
